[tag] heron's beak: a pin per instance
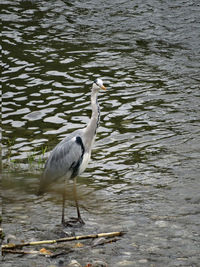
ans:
(103, 87)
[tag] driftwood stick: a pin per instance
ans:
(66, 239)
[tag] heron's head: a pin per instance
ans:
(98, 84)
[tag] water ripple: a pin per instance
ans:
(145, 162)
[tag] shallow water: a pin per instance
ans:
(144, 174)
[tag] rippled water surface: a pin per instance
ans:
(144, 172)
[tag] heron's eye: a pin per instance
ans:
(96, 82)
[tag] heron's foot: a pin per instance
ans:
(73, 222)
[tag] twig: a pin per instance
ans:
(11, 246)
(105, 241)
(24, 252)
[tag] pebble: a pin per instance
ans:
(96, 263)
(74, 263)
(161, 223)
(143, 261)
(125, 263)
(11, 238)
(99, 264)
(153, 249)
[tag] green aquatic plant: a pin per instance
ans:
(9, 144)
(41, 159)
(37, 158)
(34, 160)
(31, 159)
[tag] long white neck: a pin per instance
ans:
(93, 124)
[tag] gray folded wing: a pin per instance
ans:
(64, 160)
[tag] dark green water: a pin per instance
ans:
(144, 173)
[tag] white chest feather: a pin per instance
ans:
(86, 158)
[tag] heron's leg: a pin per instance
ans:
(72, 221)
(76, 202)
(63, 206)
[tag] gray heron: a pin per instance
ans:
(70, 157)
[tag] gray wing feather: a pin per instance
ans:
(63, 161)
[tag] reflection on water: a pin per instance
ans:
(144, 170)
